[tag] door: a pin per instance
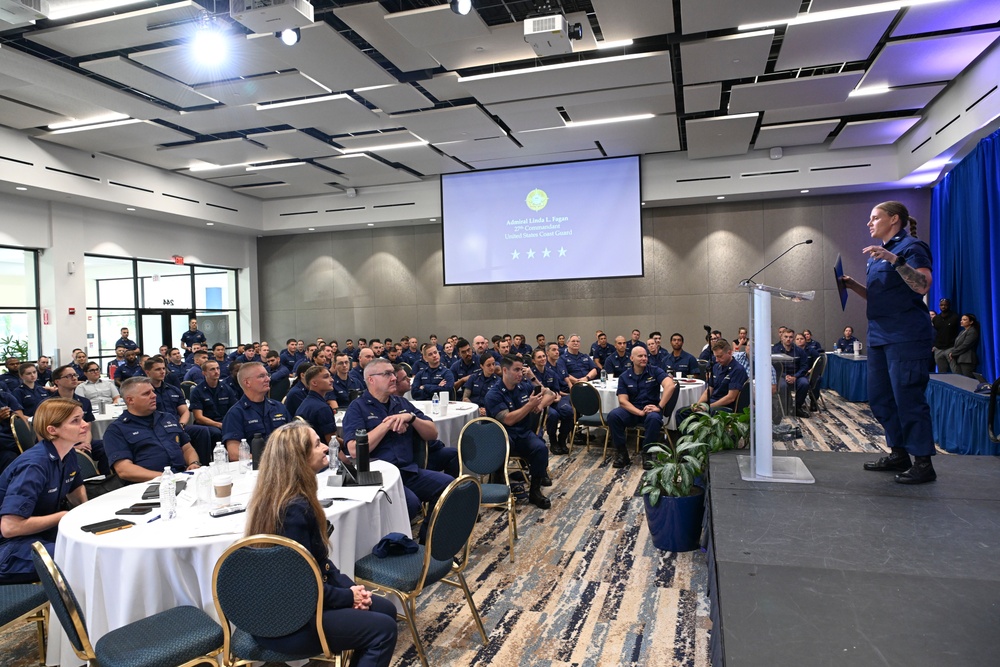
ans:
(162, 327)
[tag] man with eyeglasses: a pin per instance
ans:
(255, 413)
(211, 400)
(344, 382)
(96, 388)
(66, 381)
(393, 424)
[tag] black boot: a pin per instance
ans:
(621, 459)
(897, 461)
(535, 496)
(922, 471)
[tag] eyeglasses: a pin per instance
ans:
(386, 374)
(93, 370)
(67, 376)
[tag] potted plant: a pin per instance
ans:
(720, 430)
(674, 504)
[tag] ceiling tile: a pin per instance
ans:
(128, 73)
(395, 97)
(707, 15)
(873, 132)
(927, 59)
(703, 97)
(368, 20)
(795, 134)
(130, 135)
(635, 19)
(725, 58)
(333, 115)
(788, 93)
(225, 151)
(947, 16)
(449, 124)
(56, 101)
(481, 149)
(295, 143)
(226, 119)
(8, 82)
(717, 137)
(445, 87)
(547, 158)
(376, 140)
(262, 88)
(422, 159)
(242, 59)
(832, 42)
(895, 100)
(436, 25)
(22, 116)
(362, 170)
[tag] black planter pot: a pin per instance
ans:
(675, 523)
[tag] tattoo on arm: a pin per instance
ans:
(914, 279)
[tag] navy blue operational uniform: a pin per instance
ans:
(371, 634)
(35, 484)
(168, 399)
(30, 398)
(559, 422)
(578, 365)
(798, 368)
(8, 446)
(127, 343)
(846, 345)
(189, 338)
(10, 381)
(126, 371)
(177, 371)
(214, 404)
(460, 369)
(685, 363)
(341, 389)
(96, 446)
(478, 386)
(152, 442)
(293, 399)
(194, 374)
(246, 419)
(900, 338)
(315, 410)
(524, 442)
(616, 365)
(641, 389)
(427, 382)
(600, 353)
(659, 359)
(419, 484)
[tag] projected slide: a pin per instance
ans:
(552, 222)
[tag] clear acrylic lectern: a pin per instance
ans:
(761, 466)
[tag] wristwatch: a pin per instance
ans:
(900, 260)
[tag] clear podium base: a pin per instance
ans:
(788, 469)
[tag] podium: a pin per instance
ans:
(760, 465)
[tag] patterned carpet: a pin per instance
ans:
(587, 588)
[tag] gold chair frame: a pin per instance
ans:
(510, 504)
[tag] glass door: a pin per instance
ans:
(162, 327)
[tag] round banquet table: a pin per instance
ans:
(449, 425)
(102, 421)
(691, 390)
(130, 574)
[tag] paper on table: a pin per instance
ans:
(365, 494)
(210, 526)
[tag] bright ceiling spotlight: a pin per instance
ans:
(210, 45)
(462, 7)
(290, 36)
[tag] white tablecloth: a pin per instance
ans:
(127, 575)
(691, 390)
(101, 422)
(449, 426)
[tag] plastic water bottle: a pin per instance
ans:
(220, 457)
(246, 460)
(436, 404)
(604, 376)
(168, 495)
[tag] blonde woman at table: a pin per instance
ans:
(352, 618)
(34, 486)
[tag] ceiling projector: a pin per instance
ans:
(551, 35)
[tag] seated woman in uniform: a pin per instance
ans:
(352, 618)
(34, 486)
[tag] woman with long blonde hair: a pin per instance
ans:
(286, 503)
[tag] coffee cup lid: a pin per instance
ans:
(222, 480)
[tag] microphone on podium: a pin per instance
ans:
(749, 280)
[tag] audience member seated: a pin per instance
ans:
(79, 362)
(711, 337)
(353, 618)
(513, 403)
(723, 388)
(600, 349)
(845, 344)
(29, 393)
(9, 406)
(813, 352)
(211, 399)
(963, 356)
(277, 369)
(97, 389)
(481, 382)
(44, 371)
(392, 423)
(130, 369)
(656, 355)
(365, 357)
(680, 361)
(345, 383)
(520, 346)
(646, 395)
(448, 356)
(796, 371)
(314, 408)
(177, 368)
(559, 422)
(741, 341)
(618, 361)
(113, 365)
(946, 323)
(433, 377)
(290, 356)
(170, 399)
(635, 340)
(194, 372)
(232, 380)
(34, 487)
(579, 367)
(464, 366)
(143, 440)
(66, 381)
(293, 399)
(11, 380)
(255, 413)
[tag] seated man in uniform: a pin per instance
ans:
(314, 408)
(795, 371)
(211, 400)
(439, 457)
(365, 356)
(171, 400)
(345, 384)
(34, 486)
(177, 368)
(559, 422)
(579, 366)
(433, 377)
(646, 395)
(130, 369)
(9, 407)
(392, 423)
(254, 413)
(194, 373)
(600, 349)
(465, 365)
(144, 440)
(513, 403)
(706, 352)
(618, 361)
(680, 361)
(728, 378)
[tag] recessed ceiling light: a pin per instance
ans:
(803, 191)
(643, 203)
(434, 219)
(720, 197)
(210, 224)
(371, 224)
(833, 14)
(129, 208)
(21, 188)
(312, 229)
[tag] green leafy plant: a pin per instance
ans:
(720, 431)
(674, 469)
(13, 347)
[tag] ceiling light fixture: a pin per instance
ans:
(312, 229)
(208, 166)
(371, 224)
(550, 68)
(97, 126)
(720, 197)
(265, 106)
(461, 7)
(605, 121)
(870, 90)
(289, 36)
(834, 14)
(278, 165)
(614, 44)
(210, 224)
(210, 45)
(107, 118)
(387, 147)
(803, 191)
(129, 208)
(21, 188)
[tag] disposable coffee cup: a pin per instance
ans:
(222, 490)
(678, 375)
(444, 402)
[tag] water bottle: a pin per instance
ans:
(168, 495)
(436, 404)
(220, 458)
(256, 449)
(604, 376)
(246, 459)
(361, 448)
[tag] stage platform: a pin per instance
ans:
(855, 569)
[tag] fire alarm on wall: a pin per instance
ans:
(72, 311)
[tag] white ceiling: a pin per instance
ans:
(469, 93)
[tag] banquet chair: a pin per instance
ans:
(587, 413)
(483, 449)
(446, 552)
(24, 435)
(186, 387)
(815, 376)
(273, 606)
(279, 389)
(86, 464)
(180, 636)
(24, 603)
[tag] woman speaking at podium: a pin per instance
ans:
(900, 338)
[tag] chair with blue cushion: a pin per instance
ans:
(587, 413)
(24, 603)
(24, 435)
(181, 636)
(446, 553)
(483, 450)
(274, 606)
(86, 464)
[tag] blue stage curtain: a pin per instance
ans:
(965, 242)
